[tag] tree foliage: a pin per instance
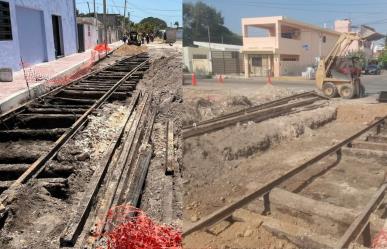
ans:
(383, 59)
(150, 24)
(198, 17)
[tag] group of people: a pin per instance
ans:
(143, 37)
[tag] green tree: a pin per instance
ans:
(383, 59)
(176, 24)
(151, 24)
(198, 18)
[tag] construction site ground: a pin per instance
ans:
(37, 218)
(224, 165)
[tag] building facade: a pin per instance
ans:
(280, 46)
(88, 30)
(213, 58)
(36, 31)
(364, 46)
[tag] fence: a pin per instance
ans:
(227, 62)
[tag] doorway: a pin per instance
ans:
(31, 32)
(259, 65)
(57, 32)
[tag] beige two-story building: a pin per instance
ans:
(280, 46)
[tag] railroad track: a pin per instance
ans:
(333, 200)
(52, 119)
(256, 113)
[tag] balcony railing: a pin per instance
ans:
(259, 43)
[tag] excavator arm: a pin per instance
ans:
(325, 65)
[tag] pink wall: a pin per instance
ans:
(307, 47)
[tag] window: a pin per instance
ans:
(289, 57)
(290, 32)
(5, 22)
(324, 39)
(88, 30)
(256, 61)
(200, 56)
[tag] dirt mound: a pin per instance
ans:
(269, 93)
(199, 109)
(204, 105)
(127, 50)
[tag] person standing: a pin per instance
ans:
(147, 38)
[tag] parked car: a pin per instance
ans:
(372, 69)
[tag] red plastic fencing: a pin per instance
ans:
(35, 74)
(380, 240)
(103, 47)
(138, 231)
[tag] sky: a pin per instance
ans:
(318, 12)
(167, 10)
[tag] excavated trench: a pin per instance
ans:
(220, 167)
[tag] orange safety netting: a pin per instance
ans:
(35, 74)
(380, 240)
(137, 231)
(103, 47)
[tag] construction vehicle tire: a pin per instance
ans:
(347, 91)
(361, 91)
(330, 90)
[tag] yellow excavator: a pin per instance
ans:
(337, 74)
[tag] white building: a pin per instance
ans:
(88, 28)
(36, 31)
(213, 58)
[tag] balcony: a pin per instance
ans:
(259, 43)
(290, 46)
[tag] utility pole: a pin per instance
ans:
(88, 6)
(209, 44)
(95, 13)
(129, 20)
(105, 24)
(224, 62)
(95, 20)
(123, 23)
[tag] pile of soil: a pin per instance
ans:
(204, 105)
(127, 50)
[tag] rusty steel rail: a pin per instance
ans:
(259, 107)
(264, 190)
(57, 89)
(279, 108)
(37, 166)
(361, 224)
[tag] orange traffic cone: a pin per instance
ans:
(220, 78)
(194, 81)
(269, 80)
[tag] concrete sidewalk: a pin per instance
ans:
(15, 93)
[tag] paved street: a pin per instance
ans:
(373, 83)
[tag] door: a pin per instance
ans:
(81, 38)
(259, 65)
(57, 33)
(31, 32)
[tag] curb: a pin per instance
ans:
(22, 96)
